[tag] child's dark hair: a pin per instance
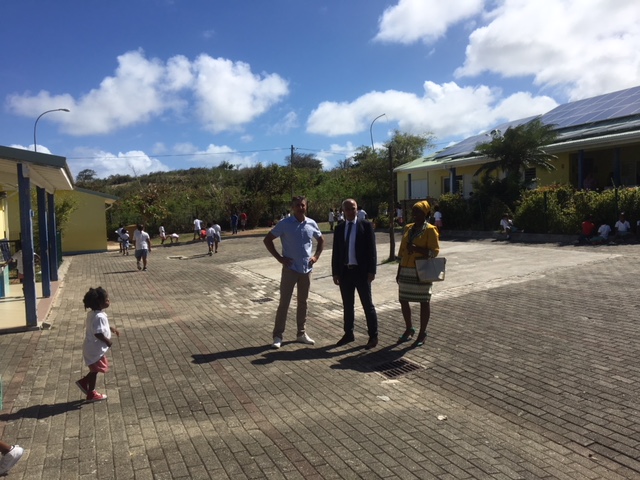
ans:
(95, 298)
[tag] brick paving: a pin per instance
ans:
(530, 379)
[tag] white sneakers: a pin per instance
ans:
(10, 459)
(304, 338)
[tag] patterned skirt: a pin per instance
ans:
(410, 290)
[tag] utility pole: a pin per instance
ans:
(292, 171)
(392, 238)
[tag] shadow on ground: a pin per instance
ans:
(43, 411)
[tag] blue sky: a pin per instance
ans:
(173, 84)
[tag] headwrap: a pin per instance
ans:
(424, 206)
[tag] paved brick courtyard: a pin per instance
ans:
(530, 371)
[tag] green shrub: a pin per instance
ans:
(455, 211)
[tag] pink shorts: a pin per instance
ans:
(101, 366)
(438, 223)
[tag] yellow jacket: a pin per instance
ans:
(427, 238)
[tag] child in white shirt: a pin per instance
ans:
(97, 341)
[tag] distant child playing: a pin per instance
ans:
(97, 341)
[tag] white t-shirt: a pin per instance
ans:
(604, 231)
(93, 349)
(504, 224)
(437, 216)
(331, 217)
(218, 230)
(623, 226)
(17, 257)
(362, 215)
(197, 224)
(211, 232)
(162, 234)
(142, 240)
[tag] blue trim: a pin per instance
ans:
(44, 241)
(26, 227)
(53, 240)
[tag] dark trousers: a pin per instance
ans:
(352, 280)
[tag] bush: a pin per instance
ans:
(556, 209)
(455, 212)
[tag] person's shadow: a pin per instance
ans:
(43, 411)
(270, 355)
(240, 352)
(368, 360)
(308, 353)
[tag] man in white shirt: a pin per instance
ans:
(197, 228)
(362, 215)
(143, 246)
(622, 227)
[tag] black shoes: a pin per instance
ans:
(347, 338)
(372, 343)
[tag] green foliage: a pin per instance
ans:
(382, 219)
(507, 189)
(64, 208)
(85, 176)
(519, 148)
(455, 211)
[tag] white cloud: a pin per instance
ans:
(227, 95)
(212, 156)
(331, 158)
(285, 125)
(586, 47)
(445, 110)
(41, 148)
(230, 95)
(427, 20)
(105, 164)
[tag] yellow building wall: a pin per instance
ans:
(561, 175)
(4, 219)
(13, 216)
(86, 230)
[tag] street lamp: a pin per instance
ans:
(371, 129)
(35, 125)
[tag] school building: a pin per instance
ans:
(598, 146)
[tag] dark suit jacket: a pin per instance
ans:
(366, 254)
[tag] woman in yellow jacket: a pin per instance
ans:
(420, 239)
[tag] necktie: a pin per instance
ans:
(346, 243)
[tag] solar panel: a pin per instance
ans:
(596, 109)
(587, 111)
(468, 145)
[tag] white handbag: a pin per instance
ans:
(431, 269)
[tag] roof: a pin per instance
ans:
(107, 198)
(612, 119)
(47, 171)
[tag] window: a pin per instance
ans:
(457, 185)
(530, 175)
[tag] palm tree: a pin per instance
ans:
(519, 148)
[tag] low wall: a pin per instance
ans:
(515, 237)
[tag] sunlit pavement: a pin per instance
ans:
(530, 370)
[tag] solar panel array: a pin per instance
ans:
(468, 145)
(602, 108)
(595, 109)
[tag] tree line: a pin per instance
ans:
(262, 191)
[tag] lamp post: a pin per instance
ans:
(35, 125)
(371, 129)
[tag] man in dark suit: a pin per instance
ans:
(353, 266)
